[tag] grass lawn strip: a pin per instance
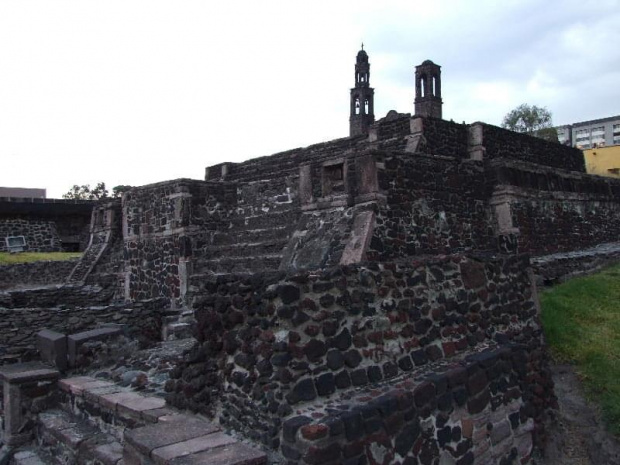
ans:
(27, 257)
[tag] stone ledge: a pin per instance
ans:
(27, 372)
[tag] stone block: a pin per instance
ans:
(233, 454)
(163, 455)
(168, 430)
(78, 386)
(75, 341)
(53, 348)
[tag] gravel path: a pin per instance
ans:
(578, 436)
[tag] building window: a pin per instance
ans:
(333, 179)
(616, 134)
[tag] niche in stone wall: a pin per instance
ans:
(333, 178)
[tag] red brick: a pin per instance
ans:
(314, 432)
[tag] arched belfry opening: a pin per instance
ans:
(428, 90)
(362, 96)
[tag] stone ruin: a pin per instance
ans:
(368, 300)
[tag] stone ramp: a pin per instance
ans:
(101, 423)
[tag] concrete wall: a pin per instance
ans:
(603, 161)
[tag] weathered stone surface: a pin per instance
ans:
(53, 348)
(169, 430)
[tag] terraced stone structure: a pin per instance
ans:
(367, 300)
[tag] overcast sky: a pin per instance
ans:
(134, 92)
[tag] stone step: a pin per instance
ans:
(177, 330)
(69, 439)
(267, 247)
(29, 456)
(183, 439)
(267, 220)
(239, 264)
(243, 235)
(114, 408)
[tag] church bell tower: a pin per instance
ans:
(362, 95)
(428, 90)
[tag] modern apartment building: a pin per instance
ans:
(589, 134)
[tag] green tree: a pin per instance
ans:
(532, 120)
(118, 191)
(85, 192)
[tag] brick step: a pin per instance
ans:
(68, 439)
(226, 265)
(183, 439)
(268, 247)
(242, 235)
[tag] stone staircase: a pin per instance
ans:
(100, 423)
(252, 242)
(98, 244)
(177, 324)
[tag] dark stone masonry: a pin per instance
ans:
(367, 300)
(47, 225)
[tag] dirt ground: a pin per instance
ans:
(578, 436)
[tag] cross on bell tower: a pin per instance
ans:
(362, 95)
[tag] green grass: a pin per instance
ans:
(27, 257)
(581, 319)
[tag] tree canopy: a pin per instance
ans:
(532, 120)
(85, 192)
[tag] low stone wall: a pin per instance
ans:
(59, 295)
(35, 273)
(445, 138)
(19, 326)
(40, 235)
(271, 345)
(435, 205)
(480, 410)
(556, 268)
(502, 143)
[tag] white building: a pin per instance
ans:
(588, 134)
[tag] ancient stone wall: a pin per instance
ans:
(434, 205)
(487, 411)
(35, 273)
(40, 235)
(559, 223)
(445, 137)
(156, 225)
(392, 126)
(502, 143)
(270, 345)
(559, 267)
(19, 326)
(71, 217)
(60, 295)
(550, 211)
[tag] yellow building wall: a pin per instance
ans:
(604, 161)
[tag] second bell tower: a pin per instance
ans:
(362, 95)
